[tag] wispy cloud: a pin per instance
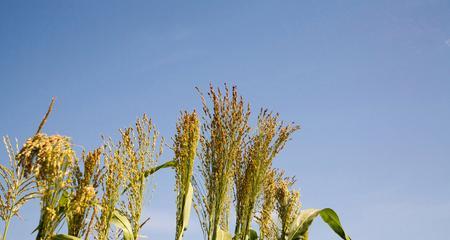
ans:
(448, 42)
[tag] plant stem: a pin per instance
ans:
(5, 231)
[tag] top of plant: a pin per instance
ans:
(100, 195)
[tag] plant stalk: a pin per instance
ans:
(5, 231)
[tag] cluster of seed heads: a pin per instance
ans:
(184, 148)
(234, 172)
(234, 157)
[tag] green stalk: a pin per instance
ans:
(7, 221)
(5, 231)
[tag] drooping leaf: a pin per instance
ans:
(122, 222)
(331, 218)
(153, 170)
(299, 228)
(64, 237)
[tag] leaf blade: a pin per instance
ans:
(186, 210)
(331, 218)
(122, 222)
(307, 216)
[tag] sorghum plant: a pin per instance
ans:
(101, 194)
(50, 160)
(112, 187)
(287, 203)
(252, 169)
(140, 150)
(185, 148)
(16, 188)
(267, 226)
(128, 164)
(222, 138)
(84, 194)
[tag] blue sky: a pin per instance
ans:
(368, 81)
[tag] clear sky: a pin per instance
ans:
(369, 82)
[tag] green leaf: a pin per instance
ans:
(154, 170)
(331, 218)
(164, 165)
(222, 235)
(299, 228)
(122, 222)
(252, 235)
(64, 237)
(186, 210)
